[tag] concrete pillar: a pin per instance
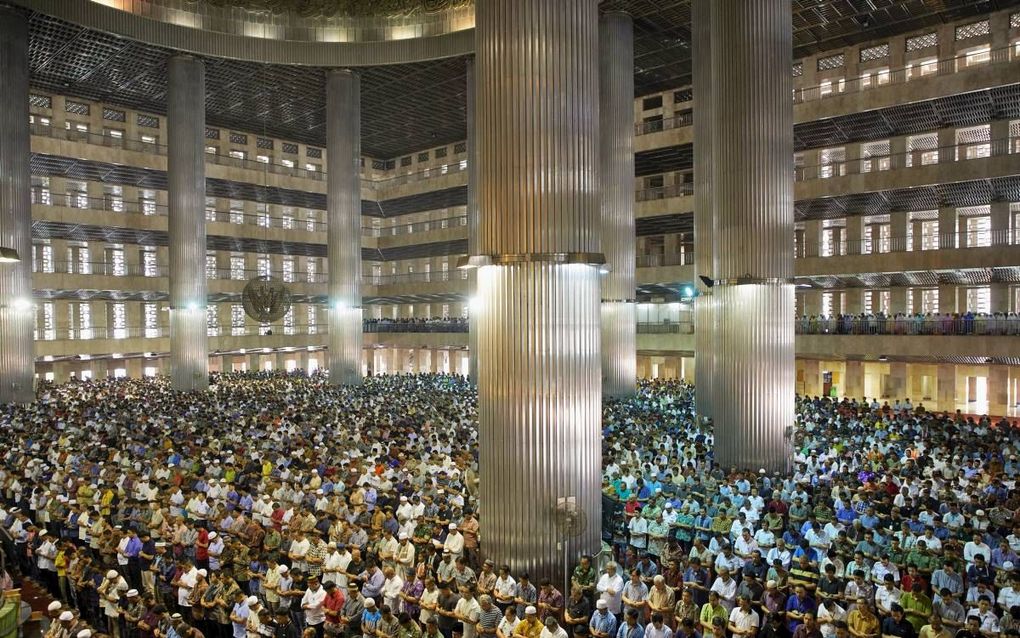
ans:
(854, 380)
(998, 390)
(812, 237)
(811, 372)
(897, 152)
(753, 200)
(898, 231)
(838, 241)
(947, 145)
(948, 302)
(853, 300)
(998, 297)
(704, 212)
(536, 125)
(616, 171)
(854, 235)
(189, 348)
(17, 313)
(895, 386)
(916, 235)
(946, 384)
(472, 223)
(134, 367)
(948, 221)
(343, 228)
(898, 300)
(1001, 223)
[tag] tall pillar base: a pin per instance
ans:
(619, 349)
(754, 369)
(345, 346)
(539, 409)
(189, 361)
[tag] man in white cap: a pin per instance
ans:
(334, 568)
(405, 555)
(454, 541)
(110, 591)
(46, 554)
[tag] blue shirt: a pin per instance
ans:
(626, 631)
(604, 623)
(240, 609)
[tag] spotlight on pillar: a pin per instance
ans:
(474, 304)
(709, 283)
(605, 269)
(470, 262)
(688, 292)
(8, 255)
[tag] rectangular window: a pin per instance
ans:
(118, 317)
(148, 121)
(930, 300)
(653, 102)
(236, 216)
(210, 266)
(979, 231)
(78, 108)
(41, 191)
(312, 317)
(49, 321)
(236, 154)
(83, 263)
(237, 267)
(922, 68)
(150, 315)
(930, 234)
(287, 218)
(40, 101)
(148, 202)
(264, 267)
(117, 262)
(47, 258)
(288, 270)
(238, 138)
(827, 304)
(149, 266)
(85, 320)
(313, 168)
(236, 320)
(210, 150)
(315, 153)
(212, 320)
(311, 221)
(212, 133)
(289, 163)
(149, 139)
(288, 321)
(979, 299)
(77, 194)
(262, 159)
(312, 269)
(262, 216)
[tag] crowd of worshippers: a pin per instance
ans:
(919, 323)
(277, 506)
(893, 523)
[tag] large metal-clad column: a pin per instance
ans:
(343, 228)
(17, 358)
(616, 155)
(753, 198)
(472, 223)
(189, 342)
(704, 214)
(539, 386)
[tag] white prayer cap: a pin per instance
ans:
(66, 616)
(55, 605)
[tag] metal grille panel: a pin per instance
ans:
(831, 62)
(973, 30)
(923, 41)
(40, 101)
(876, 52)
(238, 138)
(289, 147)
(148, 121)
(114, 115)
(78, 108)
(212, 133)
(314, 153)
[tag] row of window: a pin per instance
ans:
(975, 299)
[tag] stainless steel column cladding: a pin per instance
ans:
(343, 228)
(189, 342)
(753, 199)
(17, 312)
(616, 176)
(539, 382)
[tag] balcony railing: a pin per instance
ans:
(913, 243)
(685, 258)
(678, 120)
(960, 152)
(431, 325)
(956, 324)
(100, 268)
(414, 227)
(665, 328)
(905, 74)
(417, 277)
